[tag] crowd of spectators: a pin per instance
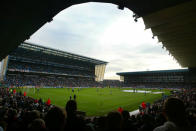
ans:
(112, 83)
(19, 112)
(58, 81)
(49, 69)
(50, 81)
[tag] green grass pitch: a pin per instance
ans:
(93, 101)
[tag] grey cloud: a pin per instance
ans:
(79, 29)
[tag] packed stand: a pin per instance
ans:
(50, 81)
(58, 69)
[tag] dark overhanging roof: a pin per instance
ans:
(152, 72)
(173, 21)
(175, 27)
(48, 50)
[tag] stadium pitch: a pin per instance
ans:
(96, 101)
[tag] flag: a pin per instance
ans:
(120, 109)
(25, 94)
(48, 101)
(143, 105)
(14, 91)
(36, 101)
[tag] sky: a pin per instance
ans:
(102, 31)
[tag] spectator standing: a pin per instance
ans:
(174, 111)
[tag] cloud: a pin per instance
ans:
(104, 32)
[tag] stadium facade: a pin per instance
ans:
(159, 78)
(31, 64)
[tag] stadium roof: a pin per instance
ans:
(172, 21)
(48, 50)
(152, 72)
(175, 27)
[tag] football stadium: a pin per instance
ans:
(46, 89)
(45, 73)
